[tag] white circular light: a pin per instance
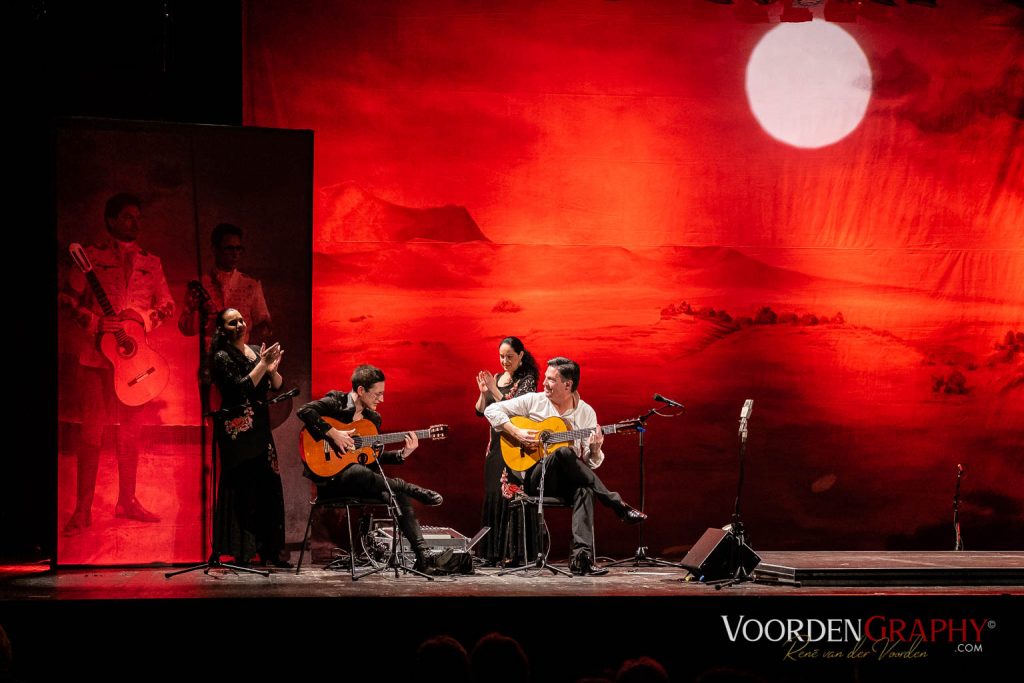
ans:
(808, 83)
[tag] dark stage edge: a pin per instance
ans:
(133, 624)
(892, 569)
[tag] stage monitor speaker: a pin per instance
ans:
(717, 555)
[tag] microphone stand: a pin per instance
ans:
(543, 544)
(737, 523)
(736, 528)
(640, 557)
(203, 314)
(396, 543)
(956, 509)
(214, 561)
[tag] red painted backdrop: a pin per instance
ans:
(589, 176)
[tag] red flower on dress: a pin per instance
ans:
(240, 424)
(509, 490)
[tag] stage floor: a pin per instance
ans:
(818, 573)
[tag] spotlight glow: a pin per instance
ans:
(808, 84)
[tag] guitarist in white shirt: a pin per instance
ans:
(570, 472)
(135, 286)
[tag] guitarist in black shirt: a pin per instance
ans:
(362, 481)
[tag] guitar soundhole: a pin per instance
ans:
(127, 347)
(362, 458)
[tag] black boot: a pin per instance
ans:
(433, 562)
(425, 496)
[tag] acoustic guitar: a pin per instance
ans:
(140, 373)
(324, 459)
(553, 433)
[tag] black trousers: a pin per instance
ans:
(570, 478)
(359, 481)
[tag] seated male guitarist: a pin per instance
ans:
(570, 470)
(358, 480)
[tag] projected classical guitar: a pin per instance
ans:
(553, 433)
(140, 373)
(324, 459)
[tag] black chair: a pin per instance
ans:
(348, 503)
(517, 511)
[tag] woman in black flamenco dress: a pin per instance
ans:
(518, 376)
(249, 517)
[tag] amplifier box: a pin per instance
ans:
(437, 537)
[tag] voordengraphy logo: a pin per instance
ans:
(786, 630)
(927, 630)
(878, 636)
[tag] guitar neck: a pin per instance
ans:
(395, 437)
(101, 296)
(576, 434)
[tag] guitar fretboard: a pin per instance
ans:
(108, 310)
(396, 437)
(576, 434)
(101, 296)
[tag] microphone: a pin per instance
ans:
(745, 412)
(281, 397)
(668, 401)
(224, 412)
